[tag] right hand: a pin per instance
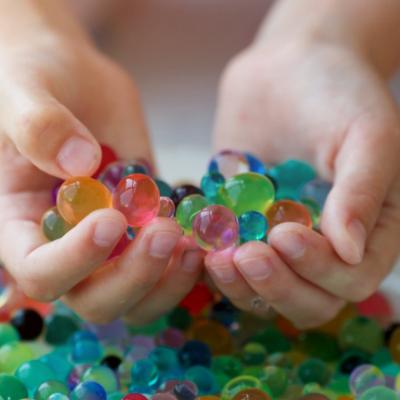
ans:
(59, 97)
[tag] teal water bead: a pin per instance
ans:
(86, 351)
(46, 389)
(8, 334)
(145, 374)
(203, 378)
(135, 168)
(11, 388)
(361, 333)
(379, 393)
(314, 370)
(59, 363)
(33, 373)
(115, 396)
(276, 379)
(211, 184)
(59, 328)
(254, 353)
(187, 209)
(102, 375)
(247, 192)
(252, 226)
(165, 358)
(58, 396)
(13, 354)
(163, 187)
(291, 176)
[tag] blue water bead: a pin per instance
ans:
(256, 165)
(33, 373)
(224, 312)
(145, 375)
(184, 392)
(229, 163)
(210, 185)
(203, 378)
(59, 363)
(291, 176)
(165, 358)
(102, 375)
(83, 335)
(193, 353)
(89, 391)
(164, 188)
(252, 226)
(316, 190)
(86, 351)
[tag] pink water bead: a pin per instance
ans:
(215, 228)
(167, 207)
(138, 198)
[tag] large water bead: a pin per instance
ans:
(288, 211)
(79, 196)
(182, 191)
(89, 391)
(364, 377)
(138, 198)
(247, 192)
(316, 190)
(379, 393)
(229, 163)
(211, 184)
(216, 228)
(11, 388)
(112, 175)
(53, 224)
(187, 209)
(252, 226)
(46, 389)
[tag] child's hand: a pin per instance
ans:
(59, 97)
(322, 101)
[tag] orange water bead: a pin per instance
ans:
(79, 196)
(288, 211)
(252, 394)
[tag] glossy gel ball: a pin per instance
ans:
(108, 156)
(394, 345)
(59, 328)
(361, 333)
(33, 373)
(11, 388)
(255, 164)
(252, 394)
(229, 163)
(276, 379)
(314, 370)
(288, 211)
(194, 353)
(102, 375)
(203, 378)
(138, 198)
(379, 393)
(291, 176)
(252, 226)
(86, 351)
(89, 391)
(211, 184)
(182, 191)
(314, 210)
(182, 391)
(79, 196)
(316, 190)
(145, 374)
(13, 354)
(28, 322)
(46, 389)
(253, 353)
(135, 168)
(165, 358)
(239, 383)
(58, 396)
(53, 225)
(167, 207)
(247, 192)
(215, 228)
(112, 175)
(8, 334)
(364, 377)
(187, 209)
(163, 187)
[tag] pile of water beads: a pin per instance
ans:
(239, 199)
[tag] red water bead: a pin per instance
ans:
(378, 307)
(134, 396)
(198, 299)
(288, 211)
(138, 198)
(120, 247)
(108, 156)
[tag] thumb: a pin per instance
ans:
(49, 135)
(365, 169)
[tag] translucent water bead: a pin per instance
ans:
(252, 226)
(53, 224)
(187, 209)
(365, 377)
(229, 163)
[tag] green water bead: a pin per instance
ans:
(276, 378)
(247, 192)
(379, 393)
(314, 209)
(53, 225)
(33, 373)
(59, 328)
(319, 344)
(180, 318)
(13, 354)
(314, 370)
(272, 339)
(11, 388)
(102, 375)
(254, 353)
(361, 333)
(239, 383)
(225, 368)
(46, 389)
(8, 334)
(115, 396)
(187, 209)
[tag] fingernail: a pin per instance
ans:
(358, 236)
(224, 273)
(77, 156)
(107, 232)
(255, 268)
(162, 244)
(292, 245)
(190, 260)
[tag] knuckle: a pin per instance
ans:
(363, 290)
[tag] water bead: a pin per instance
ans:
(46, 389)
(314, 210)
(276, 379)
(134, 396)
(11, 388)
(138, 198)
(394, 345)
(145, 374)
(198, 299)
(203, 378)
(351, 360)
(108, 156)
(102, 375)
(79, 196)
(112, 175)
(135, 168)
(53, 225)
(229, 163)
(29, 323)
(187, 209)
(163, 187)
(33, 373)
(184, 392)
(84, 335)
(59, 363)
(59, 328)
(252, 226)
(167, 207)
(58, 396)
(211, 184)
(182, 191)
(165, 358)
(171, 337)
(313, 370)
(89, 391)
(291, 176)
(237, 384)
(253, 354)
(193, 353)
(255, 164)
(364, 377)
(379, 393)
(8, 334)
(54, 192)
(316, 190)
(86, 351)
(319, 344)
(247, 192)
(313, 396)
(215, 228)
(179, 318)
(252, 394)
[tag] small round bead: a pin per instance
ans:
(229, 163)
(183, 191)
(163, 187)
(59, 328)
(193, 353)
(187, 209)
(28, 322)
(364, 377)
(53, 224)
(102, 375)
(252, 226)
(46, 389)
(89, 390)
(255, 164)
(167, 207)
(211, 184)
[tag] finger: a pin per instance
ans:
(48, 134)
(46, 270)
(365, 169)
(127, 279)
(301, 302)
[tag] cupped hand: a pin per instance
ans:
(309, 99)
(60, 98)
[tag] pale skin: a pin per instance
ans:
(315, 73)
